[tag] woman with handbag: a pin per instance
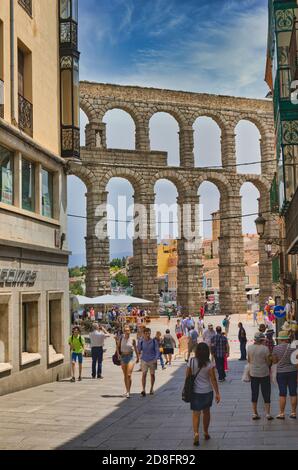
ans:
(202, 372)
(286, 374)
(126, 346)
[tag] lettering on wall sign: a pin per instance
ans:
(17, 277)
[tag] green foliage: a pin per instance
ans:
(76, 288)
(116, 262)
(122, 280)
(77, 271)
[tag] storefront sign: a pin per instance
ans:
(17, 277)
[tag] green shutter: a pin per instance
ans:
(275, 270)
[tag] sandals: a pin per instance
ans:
(196, 441)
(269, 417)
(73, 379)
(143, 394)
(207, 437)
(255, 417)
(293, 416)
(280, 416)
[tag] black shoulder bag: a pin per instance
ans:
(189, 385)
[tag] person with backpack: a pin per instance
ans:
(204, 382)
(149, 349)
(77, 346)
(226, 324)
(126, 347)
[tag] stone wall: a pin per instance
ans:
(143, 168)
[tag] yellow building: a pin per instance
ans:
(38, 127)
(166, 250)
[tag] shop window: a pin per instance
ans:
(291, 170)
(6, 176)
(30, 327)
(4, 335)
(47, 193)
(55, 325)
(28, 185)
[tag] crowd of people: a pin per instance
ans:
(207, 351)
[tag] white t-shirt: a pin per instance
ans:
(97, 338)
(258, 355)
(202, 381)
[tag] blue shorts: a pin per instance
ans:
(287, 380)
(74, 357)
(126, 359)
(201, 401)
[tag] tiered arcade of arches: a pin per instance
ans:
(143, 167)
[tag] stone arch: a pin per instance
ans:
(89, 110)
(261, 183)
(126, 107)
(220, 181)
(216, 128)
(217, 118)
(135, 178)
(253, 119)
(177, 114)
(164, 135)
(181, 182)
(84, 174)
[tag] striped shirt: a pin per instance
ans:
(283, 353)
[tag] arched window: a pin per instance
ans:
(210, 204)
(83, 123)
(164, 136)
(250, 205)
(120, 130)
(207, 143)
(248, 147)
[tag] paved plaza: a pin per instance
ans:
(93, 415)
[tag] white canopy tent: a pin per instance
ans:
(112, 299)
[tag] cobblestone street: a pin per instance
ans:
(94, 415)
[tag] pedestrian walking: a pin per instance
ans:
(202, 312)
(97, 338)
(201, 368)
(140, 336)
(126, 347)
(158, 338)
(192, 342)
(208, 335)
(269, 342)
(178, 330)
(286, 374)
(259, 362)
(226, 324)
(201, 327)
(77, 345)
(184, 325)
(220, 347)
(149, 350)
(243, 341)
(168, 344)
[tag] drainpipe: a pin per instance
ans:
(12, 64)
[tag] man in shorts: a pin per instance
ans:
(149, 350)
(77, 345)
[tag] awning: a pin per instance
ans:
(112, 299)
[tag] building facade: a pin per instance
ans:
(281, 76)
(38, 102)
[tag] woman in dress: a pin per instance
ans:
(126, 347)
(205, 382)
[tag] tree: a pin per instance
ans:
(116, 262)
(75, 272)
(76, 288)
(122, 280)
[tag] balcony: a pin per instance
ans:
(291, 217)
(27, 5)
(293, 53)
(25, 115)
(1, 99)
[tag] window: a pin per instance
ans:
(1, 72)
(246, 280)
(25, 89)
(55, 328)
(6, 176)
(47, 193)
(30, 327)
(4, 329)
(28, 185)
(27, 5)
(209, 283)
(291, 170)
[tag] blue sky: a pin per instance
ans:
(211, 46)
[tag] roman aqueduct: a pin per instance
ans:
(143, 168)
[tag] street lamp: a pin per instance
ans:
(260, 224)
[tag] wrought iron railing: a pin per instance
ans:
(25, 115)
(292, 225)
(27, 5)
(1, 99)
(293, 53)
